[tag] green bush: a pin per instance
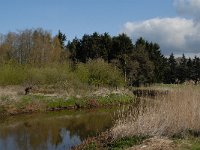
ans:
(94, 72)
(11, 74)
(99, 73)
(82, 73)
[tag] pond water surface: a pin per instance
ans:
(53, 130)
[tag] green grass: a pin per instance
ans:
(126, 142)
(43, 103)
(61, 102)
(190, 143)
(91, 146)
(118, 144)
(115, 99)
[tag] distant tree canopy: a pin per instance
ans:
(30, 47)
(140, 63)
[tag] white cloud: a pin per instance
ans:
(177, 35)
(188, 7)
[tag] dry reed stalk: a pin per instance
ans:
(169, 115)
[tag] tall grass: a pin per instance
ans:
(173, 115)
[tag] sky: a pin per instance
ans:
(173, 24)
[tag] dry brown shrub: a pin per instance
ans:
(169, 115)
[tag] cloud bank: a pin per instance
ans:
(178, 35)
(188, 7)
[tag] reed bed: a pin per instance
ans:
(175, 114)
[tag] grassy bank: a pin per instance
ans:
(59, 86)
(40, 102)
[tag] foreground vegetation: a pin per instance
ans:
(171, 121)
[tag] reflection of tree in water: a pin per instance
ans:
(89, 125)
(39, 133)
(56, 138)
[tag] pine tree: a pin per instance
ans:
(170, 75)
(182, 70)
(62, 38)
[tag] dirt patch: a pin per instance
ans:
(155, 143)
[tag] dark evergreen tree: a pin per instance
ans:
(196, 69)
(141, 69)
(91, 47)
(62, 38)
(182, 70)
(158, 59)
(76, 53)
(190, 69)
(155, 56)
(122, 47)
(105, 46)
(170, 74)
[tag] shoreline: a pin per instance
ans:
(12, 104)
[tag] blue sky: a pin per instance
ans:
(161, 21)
(76, 17)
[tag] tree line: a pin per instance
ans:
(140, 62)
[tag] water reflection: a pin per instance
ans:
(55, 130)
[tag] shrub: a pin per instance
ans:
(82, 73)
(12, 74)
(102, 73)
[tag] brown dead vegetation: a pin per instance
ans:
(175, 114)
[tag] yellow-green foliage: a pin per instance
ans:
(14, 74)
(11, 74)
(47, 75)
(94, 72)
(82, 72)
(98, 72)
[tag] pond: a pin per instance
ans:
(54, 130)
